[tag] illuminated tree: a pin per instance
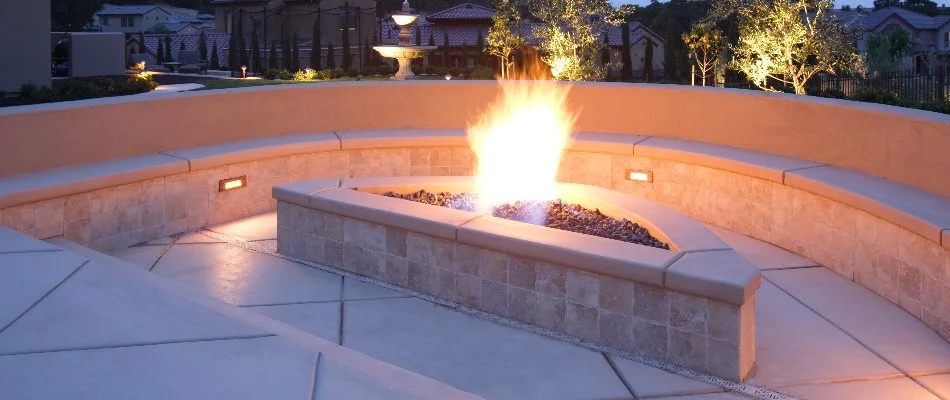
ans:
(570, 36)
(886, 50)
(504, 36)
(705, 45)
(789, 41)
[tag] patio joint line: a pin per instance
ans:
(293, 303)
(742, 388)
(791, 268)
(613, 367)
(316, 370)
(29, 251)
(889, 362)
(44, 296)
(164, 251)
(144, 344)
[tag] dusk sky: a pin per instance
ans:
(838, 3)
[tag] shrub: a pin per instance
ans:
(324, 74)
(353, 72)
(285, 75)
(482, 72)
(305, 75)
(386, 69)
(429, 70)
(876, 95)
(139, 83)
(833, 93)
(271, 74)
(106, 84)
(337, 73)
(369, 71)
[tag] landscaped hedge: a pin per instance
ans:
(80, 89)
(883, 96)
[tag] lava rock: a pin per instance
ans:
(556, 214)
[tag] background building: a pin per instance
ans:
(24, 44)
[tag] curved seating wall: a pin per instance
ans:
(890, 237)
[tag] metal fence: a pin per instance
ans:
(909, 86)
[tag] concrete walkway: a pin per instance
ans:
(217, 314)
(819, 335)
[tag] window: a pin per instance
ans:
(128, 22)
(105, 20)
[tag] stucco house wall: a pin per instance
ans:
(28, 56)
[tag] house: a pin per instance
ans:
(130, 19)
(465, 23)
(930, 35)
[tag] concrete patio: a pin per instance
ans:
(819, 336)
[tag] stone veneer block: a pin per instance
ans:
(382, 139)
(606, 142)
(299, 192)
(921, 212)
(752, 163)
(436, 221)
(63, 182)
(720, 275)
(258, 149)
(682, 232)
(600, 255)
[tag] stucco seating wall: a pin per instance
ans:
(692, 305)
(888, 236)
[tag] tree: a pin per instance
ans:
(168, 48)
(648, 59)
(203, 45)
(445, 50)
(569, 43)
(295, 57)
(367, 59)
(347, 61)
(886, 50)
(504, 35)
(331, 59)
(417, 35)
(480, 49)
(255, 51)
(626, 63)
(669, 53)
(160, 53)
(272, 55)
(316, 49)
(285, 53)
(72, 15)
(215, 63)
(789, 41)
(705, 45)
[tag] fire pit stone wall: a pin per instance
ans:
(693, 306)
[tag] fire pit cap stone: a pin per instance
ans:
(721, 275)
(606, 142)
(393, 138)
(256, 149)
(600, 255)
(299, 192)
(411, 183)
(756, 164)
(417, 217)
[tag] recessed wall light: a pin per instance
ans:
(232, 183)
(639, 176)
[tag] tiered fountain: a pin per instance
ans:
(405, 51)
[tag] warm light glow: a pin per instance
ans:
(244, 71)
(642, 176)
(518, 143)
(404, 19)
(232, 183)
(448, 77)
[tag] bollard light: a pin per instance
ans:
(244, 71)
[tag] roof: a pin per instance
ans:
(464, 11)
(191, 42)
(178, 26)
(873, 20)
(129, 10)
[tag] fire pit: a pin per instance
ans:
(618, 271)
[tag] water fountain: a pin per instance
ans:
(405, 51)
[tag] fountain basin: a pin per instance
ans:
(403, 55)
(692, 305)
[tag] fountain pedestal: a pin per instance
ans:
(404, 56)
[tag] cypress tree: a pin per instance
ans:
(181, 45)
(347, 59)
(272, 56)
(431, 38)
(418, 34)
(368, 51)
(255, 52)
(202, 46)
(626, 70)
(669, 53)
(648, 60)
(331, 59)
(464, 62)
(295, 59)
(445, 50)
(480, 48)
(316, 49)
(160, 53)
(285, 56)
(215, 63)
(168, 48)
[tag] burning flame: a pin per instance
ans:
(518, 143)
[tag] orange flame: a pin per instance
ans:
(518, 143)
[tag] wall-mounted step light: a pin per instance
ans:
(639, 176)
(232, 183)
